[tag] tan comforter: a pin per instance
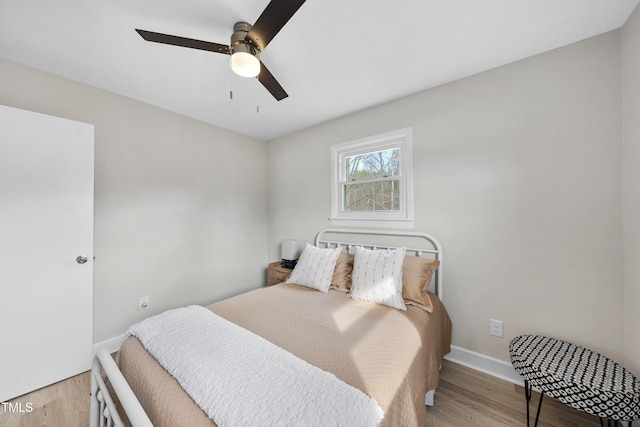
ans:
(391, 355)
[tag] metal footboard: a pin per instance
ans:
(103, 409)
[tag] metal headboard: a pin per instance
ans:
(423, 244)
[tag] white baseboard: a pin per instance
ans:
(111, 345)
(489, 365)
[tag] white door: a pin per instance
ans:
(46, 223)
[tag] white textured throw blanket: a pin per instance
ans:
(240, 379)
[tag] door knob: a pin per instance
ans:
(81, 259)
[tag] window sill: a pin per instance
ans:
(373, 223)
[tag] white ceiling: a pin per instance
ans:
(334, 57)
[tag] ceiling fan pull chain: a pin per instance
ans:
(230, 84)
(257, 93)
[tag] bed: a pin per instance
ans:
(391, 355)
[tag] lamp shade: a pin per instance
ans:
(245, 64)
(289, 249)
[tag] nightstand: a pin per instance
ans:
(277, 273)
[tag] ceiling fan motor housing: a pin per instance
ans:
(240, 42)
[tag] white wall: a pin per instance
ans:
(517, 172)
(180, 205)
(631, 187)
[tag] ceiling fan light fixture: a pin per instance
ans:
(245, 57)
(245, 62)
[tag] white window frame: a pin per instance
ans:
(402, 218)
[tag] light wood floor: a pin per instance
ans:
(63, 404)
(465, 398)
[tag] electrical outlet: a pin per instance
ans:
(143, 304)
(495, 328)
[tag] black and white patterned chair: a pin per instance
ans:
(577, 377)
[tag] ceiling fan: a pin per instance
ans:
(246, 43)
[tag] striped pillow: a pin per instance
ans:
(377, 276)
(315, 268)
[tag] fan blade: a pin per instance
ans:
(270, 83)
(273, 18)
(150, 36)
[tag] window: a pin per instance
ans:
(372, 181)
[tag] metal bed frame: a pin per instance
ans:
(106, 376)
(432, 247)
(104, 411)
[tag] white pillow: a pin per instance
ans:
(377, 276)
(315, 268)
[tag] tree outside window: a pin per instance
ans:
(373, 181)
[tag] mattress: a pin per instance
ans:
(391, 355)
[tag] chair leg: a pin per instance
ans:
(527, 396)
(538, 411)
